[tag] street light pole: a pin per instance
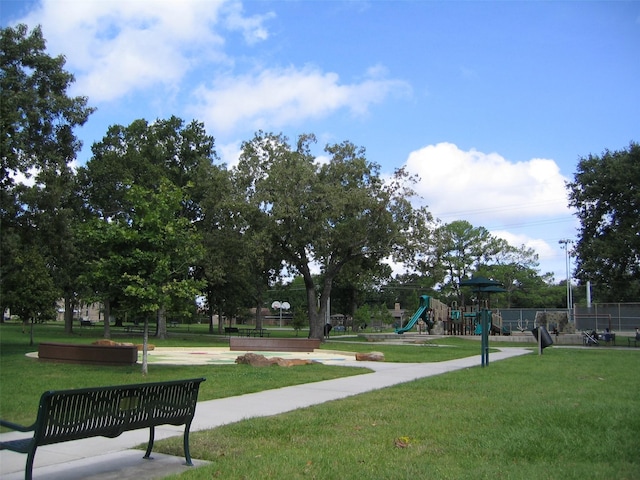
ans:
(564, 244)
(281, 306)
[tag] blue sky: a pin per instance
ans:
(490, 103)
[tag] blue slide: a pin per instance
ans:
(420, 313)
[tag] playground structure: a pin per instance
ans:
(467, 322)
(423, 313)
(441, 319)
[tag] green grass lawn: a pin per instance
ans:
(23, 379)
(570, 413)
(427, 350)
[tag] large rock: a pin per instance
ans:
(292, 362)
(370, 357)
(256, 360)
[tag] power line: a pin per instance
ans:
(495, 209)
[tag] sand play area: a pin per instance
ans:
(223, 356)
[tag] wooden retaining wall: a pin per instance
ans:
(89, 354)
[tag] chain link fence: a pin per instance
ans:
(620, 317)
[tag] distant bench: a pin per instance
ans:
(247, 332)
(634, 340)
(89, 354)
(250, 344)
(66, 415)
(134, 328)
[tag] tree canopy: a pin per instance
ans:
(326, 214)
(143, 190)
(151, 222)
(606, 193)
(37, 145)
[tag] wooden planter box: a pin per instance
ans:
(254, 344)
(91, 354)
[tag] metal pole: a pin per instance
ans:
(564, 243)
(569, 285)
(485, 321)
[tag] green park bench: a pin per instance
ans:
(134, 328)
(66, 415)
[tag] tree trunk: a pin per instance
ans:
(118, 318)
(318, 318)
(210, 312)
(258, 313)
(68, 314)
(316, 327)
(161, 331)
(107, 316)
(145, 346)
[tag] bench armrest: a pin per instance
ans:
(15, 426)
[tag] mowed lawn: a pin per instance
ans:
(23, 379)
(570, 413)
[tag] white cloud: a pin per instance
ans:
(540, 246)
(28, 178)
(524, 203)
(118, 47)
(251, 27)
(278, 97)
(229, 153)
(485, 188)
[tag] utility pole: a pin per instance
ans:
(564, 244)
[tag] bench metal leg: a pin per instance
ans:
(187, 453)
(152, 433)
(28, 468)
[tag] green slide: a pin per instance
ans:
(420, 313)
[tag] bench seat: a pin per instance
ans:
(66, 415)
(134, 328)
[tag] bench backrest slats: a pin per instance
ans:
(109, 411)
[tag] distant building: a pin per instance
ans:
(85, 311)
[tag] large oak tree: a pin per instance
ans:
(324, 214)
(606, 194)
(144, 187)
(37, 145)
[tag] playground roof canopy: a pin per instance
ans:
(480, 283)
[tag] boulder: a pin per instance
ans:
(370, 357)
(256, 360)
(282, 362)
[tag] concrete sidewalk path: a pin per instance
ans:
(104, 459)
